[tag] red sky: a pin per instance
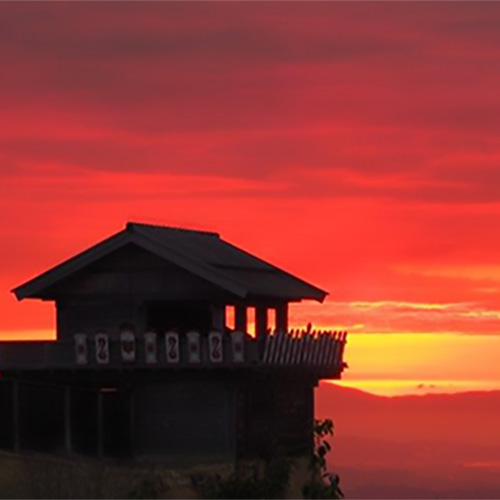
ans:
(355, 144)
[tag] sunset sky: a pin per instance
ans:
(356, 145)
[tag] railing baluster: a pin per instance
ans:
(286, 338)
(342, 347)
(302, 348)
(286, 347)
(327, 346)
(277, 348)
(321, 347)
(292, 347)
(283, 347)
(331, 348)
(322, 342)
(336, 350)
(310, 347)
(331, 351)
(268, 348)
(307, 346)
(274, 347)
(300, 352)
(296, 346)
(314, 345)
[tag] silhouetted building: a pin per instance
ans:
(144, 364)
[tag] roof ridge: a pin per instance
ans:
(130, 226)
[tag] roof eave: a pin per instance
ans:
(321, 297)
(318, 294)
(31, 288)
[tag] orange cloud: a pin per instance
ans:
(355, 145)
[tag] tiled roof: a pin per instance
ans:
(204, 254)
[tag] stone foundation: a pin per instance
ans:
(45, 476)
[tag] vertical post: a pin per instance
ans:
(59, 320)
(132, 421)
(310, 418)
(100, 427)
(15, 417)
(218, 317)
(260, 321)
(67, 418)
(240, 319)
(140, 316)
(282, 317)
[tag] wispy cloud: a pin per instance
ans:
(404, 317)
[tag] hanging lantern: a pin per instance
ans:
(150, 348)
(127, 345)
(238, 346)
(172, 347)
(194, 355)
(102, 348)
(81, 349)
(215, 347)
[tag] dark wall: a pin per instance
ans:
(275, 417)
(195, 415)
(133, 286)
(91, 317)
(186, 419)
(295, 414)
(117, 421)
(84, 421)
(180, 315)
(6, 415)
(41, 417)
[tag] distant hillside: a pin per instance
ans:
(431, 446)
(471, 417)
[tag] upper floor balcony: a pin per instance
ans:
(317, 351)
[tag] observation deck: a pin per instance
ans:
(320, 351)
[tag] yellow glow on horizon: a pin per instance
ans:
(27, 335)
(417, 387)
(398, 363)
(416, 362)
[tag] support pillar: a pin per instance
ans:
(132, 422)
(240, 318)
(218, 318)
(100, 426)
(282, 317)
(15, 417)
(67, 419)
(260, 321)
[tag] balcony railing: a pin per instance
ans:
(322, 350)
(305, 347)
